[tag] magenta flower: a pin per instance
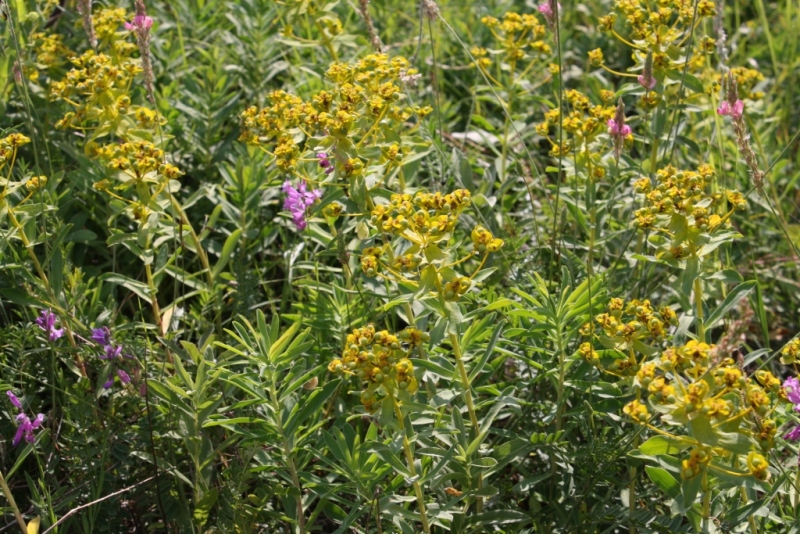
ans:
(101, 336)
(735, 110)
(298, 200)
(113, 353)
(47, 322)
(139, 22)
(324, 162)
(793, 434)
(791, 387)
(14, 400)
(548, 11)
(26, 428)
(618, 130)
(647, 84)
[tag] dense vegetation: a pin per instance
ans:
(399, 266)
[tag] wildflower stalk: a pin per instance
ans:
(45, 281)
(698, 302)
(288, 457)
(467, 386)
(411, 468)
(706, 501)
(13, 504)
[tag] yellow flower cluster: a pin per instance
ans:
(519, 35)
(379, 360)
(746, 80)
(691, 384)
(365, 101)
(680, 208)
(422, 218)
(97, 88)
(586, 121)
(137, 159)
(656, 32)
(789, 354)
(50, 52)
(9, 146)
(621, 328)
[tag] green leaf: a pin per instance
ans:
(658, 445)
(204, 506)
(134, 286)
(227, 250)
(664, 480)
(733, 298)
(310, 406)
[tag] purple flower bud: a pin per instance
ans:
(101, 336)
(123, 376)
(14, 400)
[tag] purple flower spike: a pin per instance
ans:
(26, 428)
(298, 200)
(47, 322)
(101, 336)
(124, 377)
(14, 400)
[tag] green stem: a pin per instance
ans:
(706, 501)
(698, 302)
(412, 469)
(13, 504)
(288, 457)
(201, 253)
(465, 384)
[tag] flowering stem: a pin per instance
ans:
(411, 468)
(13, 504)
(465, 384)
(43, 277)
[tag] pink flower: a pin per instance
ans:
(298, 200)
(734, 111)
(647, 84)
(547, 9)
(616, 130)
(139, 21)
